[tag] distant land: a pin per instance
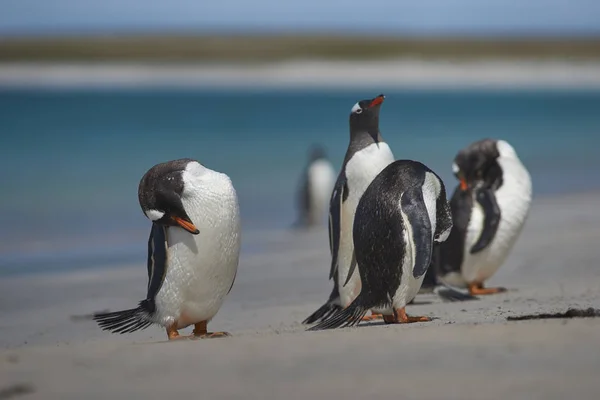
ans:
(268, 48)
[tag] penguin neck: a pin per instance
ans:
(363, 138)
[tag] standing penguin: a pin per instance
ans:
(315, 188)
(489, 208)
(398, 219)
(366, 156)
(193, 250)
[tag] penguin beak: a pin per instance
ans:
(377, 101)
(187, 225)
(463, 184)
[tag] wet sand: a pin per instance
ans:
(469, 351)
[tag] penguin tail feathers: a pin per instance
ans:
(350, 316)
(324, 312)
(125, 321)
(448, 293)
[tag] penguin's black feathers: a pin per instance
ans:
(135, 319)
(378, 233)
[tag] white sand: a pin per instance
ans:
(470, 351)
(403, 73)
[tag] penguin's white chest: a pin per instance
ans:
(201, 268)
(321, 178)
(360, 171)
(514, 200)
(409, 285)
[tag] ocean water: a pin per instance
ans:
(71, 160)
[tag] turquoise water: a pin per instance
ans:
(71, 160)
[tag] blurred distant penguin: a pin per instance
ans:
(399, 217)
(366, 156)
(489, 208)
(193, 249)
(315, 189)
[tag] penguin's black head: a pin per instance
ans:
(477, 164)
(364, 116)
(316, 152)
(160, 193)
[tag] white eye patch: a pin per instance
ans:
(455, 168)
(356, 109)
(154, 215)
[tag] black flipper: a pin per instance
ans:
(414, 208)
(335, 222)
(135, 319)
(487, 199)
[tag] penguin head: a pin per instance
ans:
(317, 152)
(160, 192)
(472, 165)
(364, 115)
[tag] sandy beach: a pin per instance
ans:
(469, 351)
(400, 73)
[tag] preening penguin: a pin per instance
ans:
(489, 208)
(193, 249)
(366, 156)
(315, 188)
(399, 217)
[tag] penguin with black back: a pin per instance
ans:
(366, 156)
(398, 219)
(489, 209)
(193, 250)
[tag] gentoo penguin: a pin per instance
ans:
(489, 208)
(193, 249)
(366, 156)
(399, 217)
(315, 188)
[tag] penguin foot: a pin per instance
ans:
(478, 289)
(400, 317)
(200, 332)
(173, 334)
(210, 335)
(372, 317)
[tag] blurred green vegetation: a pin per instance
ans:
(248, 48)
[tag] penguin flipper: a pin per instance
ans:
(157, 261)
(487, 199)
(335, 222)
(413, 206)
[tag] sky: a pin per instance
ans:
(418, 17)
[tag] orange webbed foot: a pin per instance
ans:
(478, 289)
(400, 317)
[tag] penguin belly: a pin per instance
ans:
(321, 178)
(360, 170)
(201, 268)
(409, 285)
(514, 199)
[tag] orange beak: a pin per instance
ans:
(188, 226)
(377, 100)
(463, 185)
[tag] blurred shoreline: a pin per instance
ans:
(398, 73)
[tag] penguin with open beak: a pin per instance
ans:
(193, 250)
